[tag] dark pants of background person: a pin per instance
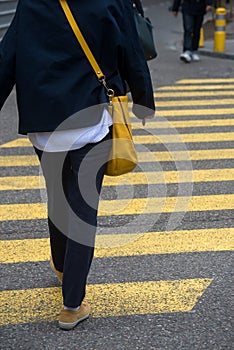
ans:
(73, 184)
(192, 27)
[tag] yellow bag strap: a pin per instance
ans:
(81, 39)
(84, 46)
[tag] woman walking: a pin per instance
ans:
(62, 107)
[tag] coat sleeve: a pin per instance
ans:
(209, 2)
(139, 7)
(135, 70)
(176, 5)
(7, 61)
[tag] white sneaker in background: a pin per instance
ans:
(195, 56)
(186, 57)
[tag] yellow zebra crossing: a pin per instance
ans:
(119, 299)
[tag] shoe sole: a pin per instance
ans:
(69, 326)
(184, 60)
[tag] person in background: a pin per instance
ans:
(193, 12)
(63, 110)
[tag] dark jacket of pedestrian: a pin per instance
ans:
(41, 56)
(191, 7)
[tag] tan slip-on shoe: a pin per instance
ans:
(58, 273)
(68, 319)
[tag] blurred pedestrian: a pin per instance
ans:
(193, 12)
(62, 107)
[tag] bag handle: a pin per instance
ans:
(88, 53)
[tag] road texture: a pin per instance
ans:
(162, 273)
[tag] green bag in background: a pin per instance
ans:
(145, 32)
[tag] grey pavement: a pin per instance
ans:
(209, 51)
(208, 48)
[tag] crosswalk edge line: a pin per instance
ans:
(117, 299)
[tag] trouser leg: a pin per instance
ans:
(188, 22)
(73, 182)
(52, 164)
(196, 31)
(82, 188)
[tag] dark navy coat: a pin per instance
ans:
(41, 56)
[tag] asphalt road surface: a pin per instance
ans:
(162, 273)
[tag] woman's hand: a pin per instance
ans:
(148, 117)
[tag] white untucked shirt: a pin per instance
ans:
(67, 140)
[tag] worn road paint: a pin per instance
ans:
(138, 206)
(117, 299)
(205, 240)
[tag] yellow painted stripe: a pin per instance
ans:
(178, 138)
(20, 142)
(116, 299)
(197, 87)
(172, 177)
(140, 206)
(32, 250)
(10, 183)
(193, 112)
(186, 155)
(156, 124)
(165, 242)
(193, 94)
(206, 102)
(169, 138)
(190, 112)
(25, 250)
(165, 205)
(202, 81)
(7, 161)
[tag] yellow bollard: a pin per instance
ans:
(201, 40)
(220, 30)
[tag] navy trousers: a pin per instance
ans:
(192, 26)
(73, 183)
